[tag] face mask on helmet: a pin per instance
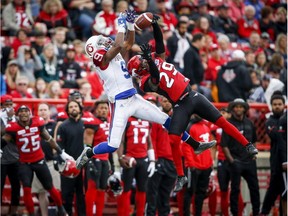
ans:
(95, 43)
(115, 187)
(137, 67)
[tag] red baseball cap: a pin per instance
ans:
(6, 98)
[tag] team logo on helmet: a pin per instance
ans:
(136, 68)
(68, 169)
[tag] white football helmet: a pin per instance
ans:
(95, 43)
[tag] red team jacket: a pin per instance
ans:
(200, 132)
(160, 141)
(28, 139)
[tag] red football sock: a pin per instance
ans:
(224, 203)
(28, 200)
(140, 199)
(180, 201)
(100, 199)
(90, 197)
(123, 204)
(231, 130)
(56, 196)
(241, 205)
(175, 142)
(213, 203)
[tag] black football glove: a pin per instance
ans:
(155, 18)
(146, 51)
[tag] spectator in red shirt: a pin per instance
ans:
(53, 15)
(214, 63)
(20, 39)
(168, 18)
(203, 26)
(80, 57)
(248, 24)
(105, 20)
(236, 9)
(254, 43)
(96, 83)
(21, 90)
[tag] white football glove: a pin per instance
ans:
(151, 169)
(66, 156)
(1, 152)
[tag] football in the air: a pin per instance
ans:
(143, 21)
(131, 161)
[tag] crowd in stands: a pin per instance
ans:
(243, 54)
(45, 41)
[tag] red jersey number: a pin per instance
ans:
(143, 132)
(169, 68)
(35, 143)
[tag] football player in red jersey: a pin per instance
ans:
(136, 143)
(162, 77)
(27, 133)
(97, 171)
(161, 183)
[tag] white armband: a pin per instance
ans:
(121, 29)
(151, 155)
(130, 26)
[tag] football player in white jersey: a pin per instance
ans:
(123, 98)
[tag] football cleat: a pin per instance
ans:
(180, 182)
(83, 158)
(251, 149)
(204, 146)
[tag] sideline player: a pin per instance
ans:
(163, 78)
(27, 132)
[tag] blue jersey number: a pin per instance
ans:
(124, 69)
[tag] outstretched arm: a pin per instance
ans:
(130, 37)
(119, 41)
(158, 36)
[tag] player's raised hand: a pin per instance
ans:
(146, 51)
(155, 18)
(130, 16)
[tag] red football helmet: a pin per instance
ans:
(114, 186)
(136, 67)
(68, 169)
